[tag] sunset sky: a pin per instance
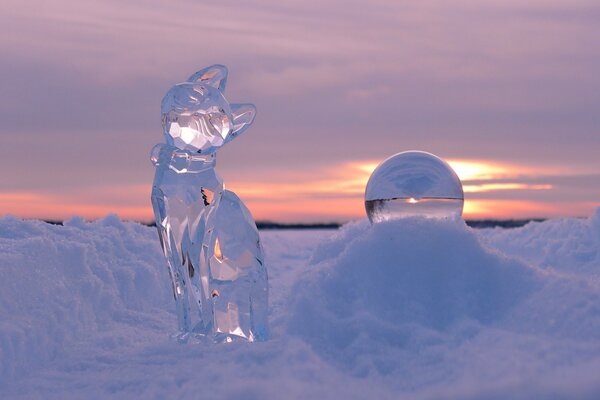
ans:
(507, 91)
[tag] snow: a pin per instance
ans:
(421, 309)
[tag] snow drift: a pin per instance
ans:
(414, 309)
(393, 282)
(385, 300)
(61, 283)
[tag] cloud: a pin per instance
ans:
(334, 82)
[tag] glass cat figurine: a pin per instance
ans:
(213, 250)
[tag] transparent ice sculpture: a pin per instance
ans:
(208, 236)
(413, 183)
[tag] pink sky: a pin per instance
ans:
(504, 85)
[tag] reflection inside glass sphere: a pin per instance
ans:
(413, 183)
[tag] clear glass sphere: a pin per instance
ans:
(413, 183)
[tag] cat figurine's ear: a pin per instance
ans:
(215, 76)
(243, 116)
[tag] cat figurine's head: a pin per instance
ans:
(196, 116)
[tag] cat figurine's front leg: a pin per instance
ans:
(185, 188)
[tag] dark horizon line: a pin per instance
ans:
(269, 225)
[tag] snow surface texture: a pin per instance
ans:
(419, 309)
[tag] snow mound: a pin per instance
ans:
(566, 244)
(61, 283)
(387, 285)
(383, 293)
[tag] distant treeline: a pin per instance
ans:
(501, 223)
(473, 223)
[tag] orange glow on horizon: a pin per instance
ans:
(490, 187)
(325, 194)
(56, 207)
(294, 209)
(520, 209)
